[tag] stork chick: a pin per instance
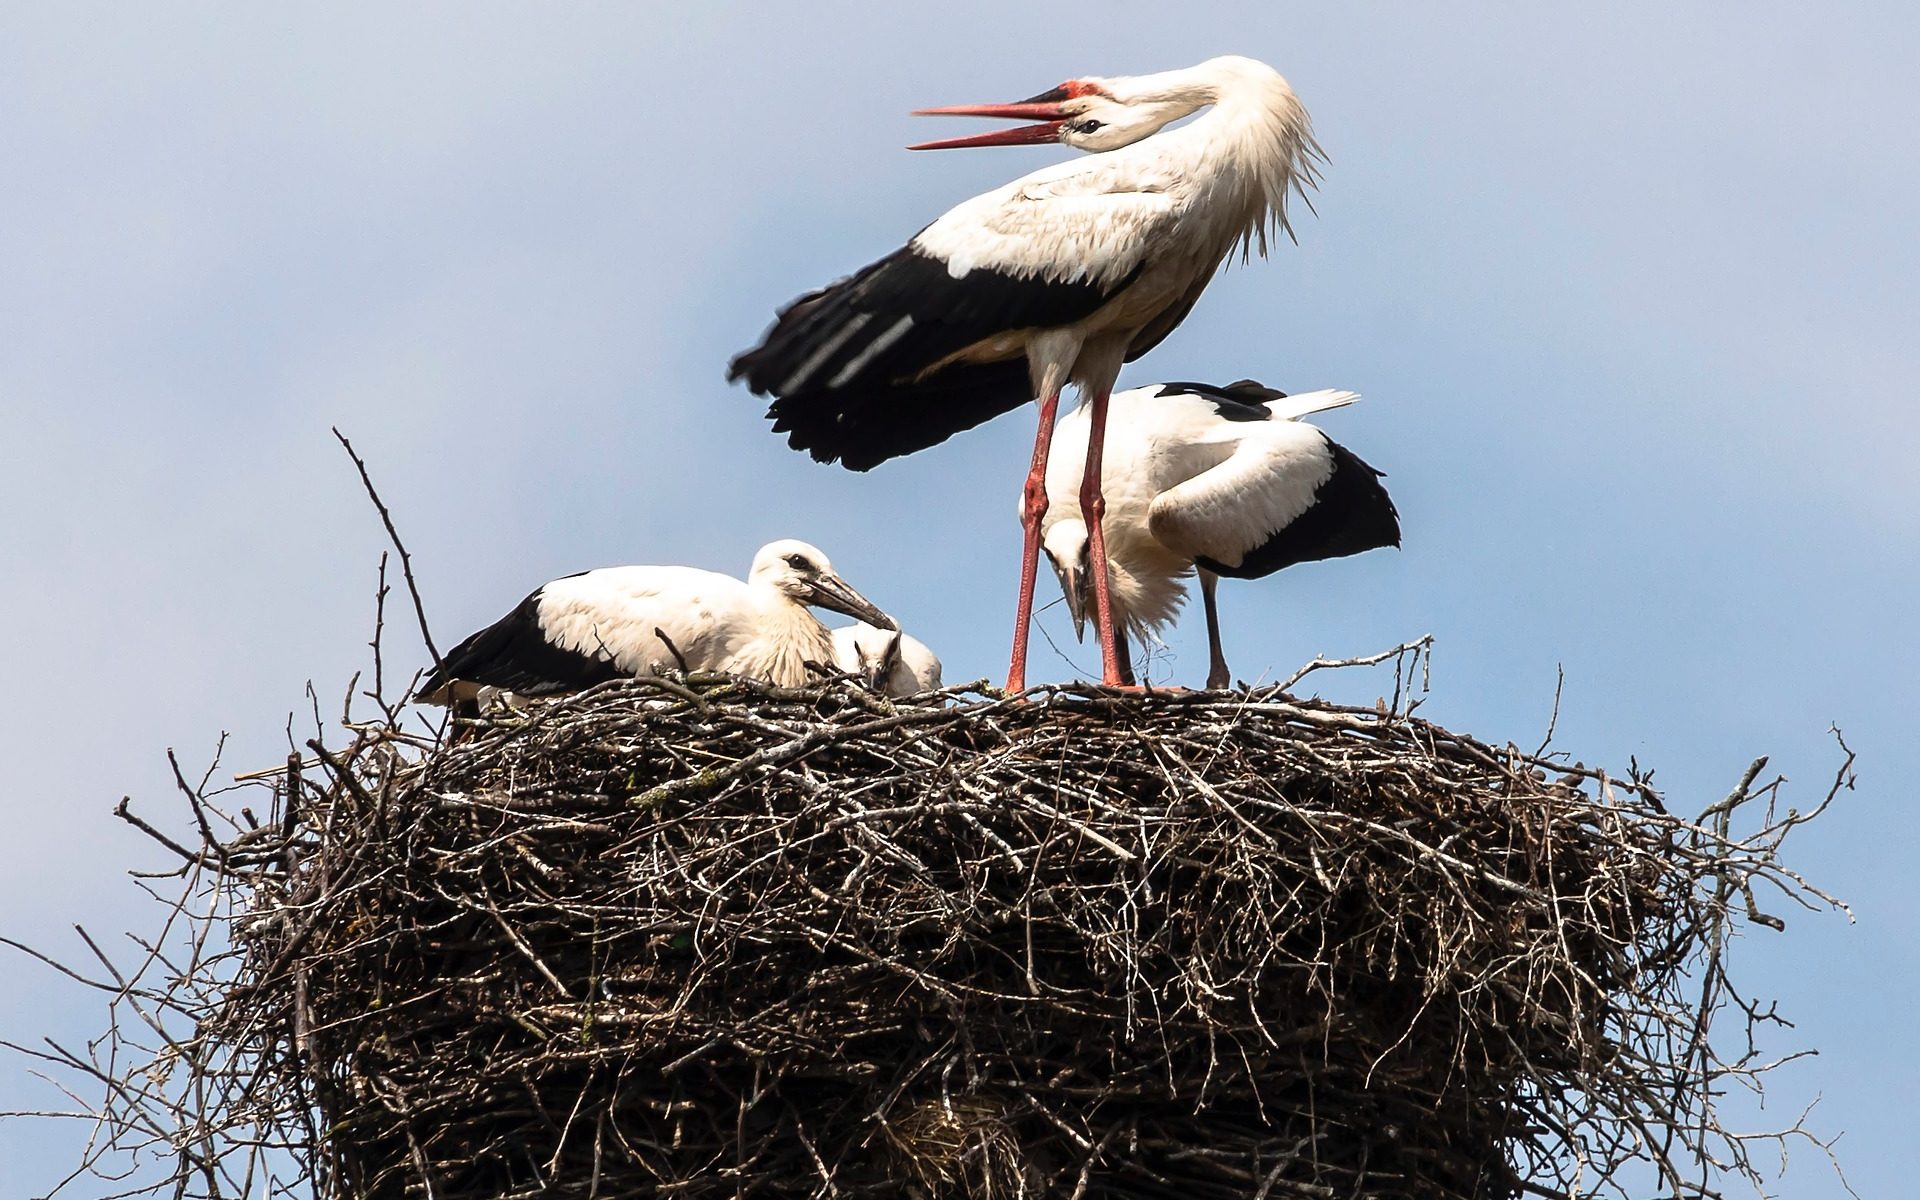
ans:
(888, 661)
(617, 622)
(1218, 480)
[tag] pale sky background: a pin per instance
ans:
(1633, 298)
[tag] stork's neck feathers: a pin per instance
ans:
(1263, 141)
(1254, 143)
(780, 640)
(1147, 600)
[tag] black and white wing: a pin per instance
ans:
(594, 626)
(1287, 494)
(1251, 400)
(862, 371)
(517, 655)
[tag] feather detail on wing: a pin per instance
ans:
(851, 367)
(1274, 503)
(1350, 511)
(860, 428)
(993, 265)
(612, 614)
(515, 654)
(1224, 513)
(925, 342)
(1060, 231)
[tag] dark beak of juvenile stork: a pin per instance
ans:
(831, 591)
(1070, 587)
(1048, 108)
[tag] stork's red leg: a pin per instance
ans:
(1125, 656)
(1033, 508)
(1093, 506)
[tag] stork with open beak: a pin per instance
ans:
(1059, 277)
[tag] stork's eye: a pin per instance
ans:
(798, 562)
(1090, 126)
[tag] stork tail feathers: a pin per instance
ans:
(1304, 404)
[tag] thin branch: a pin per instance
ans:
(393, 535)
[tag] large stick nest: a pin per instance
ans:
(730, 940)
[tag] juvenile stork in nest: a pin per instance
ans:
(1214, 480)
(617, 622)
(1058, 277)
(888, 661)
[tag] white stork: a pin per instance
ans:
(617, 622)
(1225, 480)
(888, 661)
(1060, 276)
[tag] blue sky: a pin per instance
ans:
(1631, 293)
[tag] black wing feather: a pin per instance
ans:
(513, 653)
(865, 427)
(1241, 400)
(847, 366)
(1351, 513)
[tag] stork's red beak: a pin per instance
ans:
(1045, 108)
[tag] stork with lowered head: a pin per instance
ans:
(1211, 480)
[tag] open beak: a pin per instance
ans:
(1070, 587)
(1049, 112)
(831, 591)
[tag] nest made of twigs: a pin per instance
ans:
(734, 940)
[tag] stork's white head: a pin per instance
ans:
(1097, 113)
(1144, 587)
(802, 573)
(1068, 549)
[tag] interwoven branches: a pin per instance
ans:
(720, 940)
